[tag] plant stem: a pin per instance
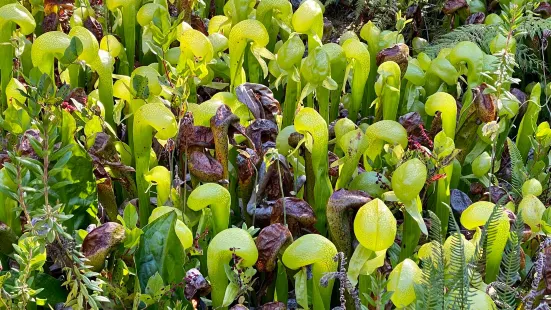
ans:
(46, 160)
(219, 7)
(6, 61)
(282, 192)
(335, 102)
(21, 193)
(129, 28)
(309, 101)
(410, 237)
(290, 105)
(253, 68)
(322, 95)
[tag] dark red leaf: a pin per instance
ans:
(298, 212)
(196, 284)
(100, 241)
(271, 241)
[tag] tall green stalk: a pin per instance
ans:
(11, 14)
(528, 124)
(445, 103)
(387, 88)
(359, 61)
(148, 117)
(129, 12)
(371, 34)
(337, 58)
(308, 19)
(309, 122)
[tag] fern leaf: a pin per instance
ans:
(534, 26)
(493, 250)
(360, 5)
(435, 233)
(458, 296)
(510, 265)
(329, 2)
(476, 33)
(517, 166)
(431, 290)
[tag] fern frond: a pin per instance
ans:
(533, 26)
(458, 283)
(382, 12)
(435, 232)
(519, 172)
(430, 291)
(493, 256)
(483, 249)
(476, 33)
(329, 2)
(528, 61)
(491, 227)
(360, 6)
(510, 265)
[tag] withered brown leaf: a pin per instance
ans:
(100, 242)
(271, 241)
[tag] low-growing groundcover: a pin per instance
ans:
(248, 154)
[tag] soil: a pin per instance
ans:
(342, 19)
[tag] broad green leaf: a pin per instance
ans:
(409, 179)
(364, 262)
(532, 210)
(140, 85)
(93, 126)
(16, 121)
(401, 282)
(132, 237)
(413, 209)
(231, 293)
(73, 51)
(160, 251)
(81, 197)
(443, 145)
(282, 287)
(68, 128)
(52, 291)
(60, 164)
(130, 216)
(546, 221)
(301, 288)
(155, 285)
(375, 226)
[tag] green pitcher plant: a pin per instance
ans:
(148, 117)
(11, 14)
(319, 252)
(309, 123)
